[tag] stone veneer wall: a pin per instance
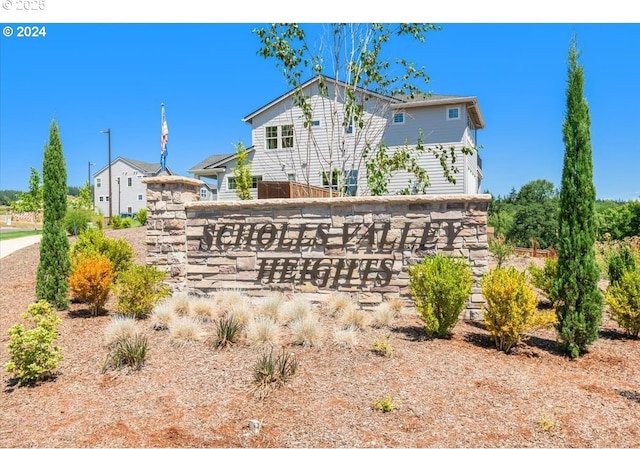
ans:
(313, 246)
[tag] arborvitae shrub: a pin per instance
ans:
(440, 286)
(620, 262)
(623, 299)
(544, 278)
(32, 353)
(139, 289)
(90, 281)
(511, 309)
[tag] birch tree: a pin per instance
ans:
(366, 83)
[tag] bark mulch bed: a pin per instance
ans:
(456, 392)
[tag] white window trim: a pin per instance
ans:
(140, 197)
(454, 118)
(393, 118)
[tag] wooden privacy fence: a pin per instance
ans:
(290, 189)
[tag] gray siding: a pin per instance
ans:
(125, 198)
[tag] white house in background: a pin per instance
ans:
(283, 149)
(129, 194)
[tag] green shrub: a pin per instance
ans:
(383, 346)
(273, 371)
(501, 248)
(129, 352)
(77, 220)
(385, 404)
(139, 289)
(92, 241)
(620, 262)
(511, 309)
(227, 329)
(127, 222)
(141, 216)
(90, 281)
(115, 222)
(32, 353)
(440, 286)
(623, 299)
(544, 278)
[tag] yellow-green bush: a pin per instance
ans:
(511, 309)
(32, 353)
(623, 299)
(544, 278)
(440, 287)
(90, 280)
(94, 241)
(139, 289)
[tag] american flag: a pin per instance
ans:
(165, 133)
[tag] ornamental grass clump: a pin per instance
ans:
(440, 286)
(185, 330)
(306, 331)
(32, 353)
(127, 352)
(272, 371)
(511, 309)
(121, 326)
(623, 299)
(161, 315)
(346, 337)
(263, 331)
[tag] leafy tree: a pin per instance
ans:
(242, 173)
(355, 56)
(55, 263)
(31, 201)
(535, 217)
(579, 305)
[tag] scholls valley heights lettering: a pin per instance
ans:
(328, 256)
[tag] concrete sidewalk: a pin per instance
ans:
(11, 245)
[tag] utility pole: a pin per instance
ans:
(108, 133)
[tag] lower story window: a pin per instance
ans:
(101, 199)
(232, 184)
(139, 196)
(346, 181)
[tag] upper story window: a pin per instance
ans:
(398, 117)
(271, 137)
(315, 123)
(282, 135)
(98, 182)
(287, 136)
(349, 128)
(129, 182)
(139, 196)
(203, 193)
(453, 113)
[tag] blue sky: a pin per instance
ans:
(91, 77)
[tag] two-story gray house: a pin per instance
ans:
(128, 193)
(330, 148)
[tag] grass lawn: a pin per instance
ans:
(16, 234)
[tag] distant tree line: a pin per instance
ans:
(531, 214)
(9, 196)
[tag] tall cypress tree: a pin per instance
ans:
(580, 301)
(55, 264)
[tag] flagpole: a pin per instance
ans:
(163, 155)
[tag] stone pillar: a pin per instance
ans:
(166, 225)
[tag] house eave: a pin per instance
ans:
(471, 102)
